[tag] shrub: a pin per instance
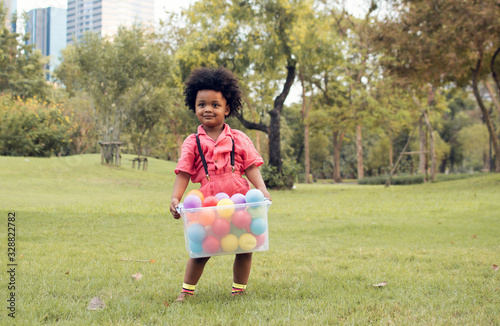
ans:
(283, 180)
(31, 128)
(416, 179)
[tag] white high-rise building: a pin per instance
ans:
(105, 16)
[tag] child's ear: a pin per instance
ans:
(226, 113)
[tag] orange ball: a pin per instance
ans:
(197, 193)
(206, 217)
(192, 217)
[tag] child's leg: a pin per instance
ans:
(194, 270)
(241, 272)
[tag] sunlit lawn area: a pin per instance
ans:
(434, 245)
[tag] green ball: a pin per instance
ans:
(257, 211)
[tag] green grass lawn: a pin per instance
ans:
(434, 245)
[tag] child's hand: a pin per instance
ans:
(266, 193)
(173, 208)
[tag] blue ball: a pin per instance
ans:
(195, 247)
(258, 226)
(196, 232)
(254, 196)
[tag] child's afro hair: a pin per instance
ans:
(220, 80)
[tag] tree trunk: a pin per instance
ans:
(432, 148)
(492, 95)
(391, 150)
(493, 71)
(273, 130)
(337, 144)
(422, 155)
(307, 162)
(274, 140)
(486, 114)
(359, 152)
(304, 116)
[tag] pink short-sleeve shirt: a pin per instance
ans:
(217, 154)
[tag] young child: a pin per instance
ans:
(213, 95)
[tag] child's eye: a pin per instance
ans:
(215, 105)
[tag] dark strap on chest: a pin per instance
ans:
(204, 161)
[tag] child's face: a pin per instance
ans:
(211, 108)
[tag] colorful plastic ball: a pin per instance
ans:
(229, 243)
(210, 201)
(247, 241)
(192, 217)
(196, 232)
(241, 219)
(257, 211)
(225, 212)
(209, 230)
(222, 195)
(195, 247)
(197, 193)
(254, 196)
(211, 245)
(238, 199)
(258, 226)
(238, 232)
(192, 201)
(206, 217)
(221, 227)
(261, 239)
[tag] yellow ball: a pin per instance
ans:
(247, 241)
(225, 212)
(229, 243)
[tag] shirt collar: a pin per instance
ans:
(226, 132)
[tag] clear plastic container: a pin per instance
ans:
(227, 229)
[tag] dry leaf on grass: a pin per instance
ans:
(474, 236)
(380, 284)
(141, 260)
(67, 272)
(166, 304)
(494, 267)
(137, 276)
(96, 303)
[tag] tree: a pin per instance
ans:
(434, 43)
(124, 77)
(253, 39)
(21, 66)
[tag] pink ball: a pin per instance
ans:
(260, 239)
(211, 245)
(221, 227)
(242, 219)
(192, 201)
(222, 195)
(238, 198)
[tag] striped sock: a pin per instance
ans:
(238, 288)
(188, 288)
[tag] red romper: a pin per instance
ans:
(218, 157)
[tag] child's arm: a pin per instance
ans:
(180, 185)
(254, 176)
